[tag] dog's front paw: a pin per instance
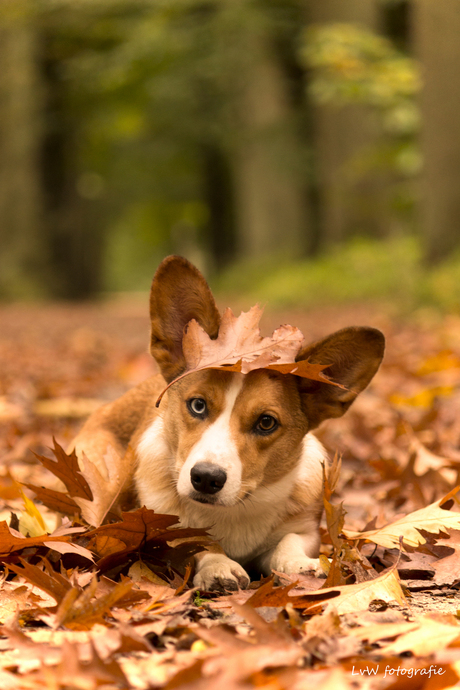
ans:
(301, 565)
(218, 573)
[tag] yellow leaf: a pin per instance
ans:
(32, 510)
(443, 360)
(31, 522)
(424, 398)
(430, 636)
(433, 519)
(357, 597)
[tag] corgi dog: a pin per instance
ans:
(229, 452)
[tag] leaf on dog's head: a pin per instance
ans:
(239, 347)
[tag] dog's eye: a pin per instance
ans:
(266, 424)
(197, 407)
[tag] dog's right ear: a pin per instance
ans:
(179, 293)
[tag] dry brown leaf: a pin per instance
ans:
(50, 582)
(14, 601)
(239, 342)
(55, 500)
(81, 610)
(433, 519)
(67, 469)
(11, 541)
(106, 482)
(239, 347)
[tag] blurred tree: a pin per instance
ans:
(187, 105)
(271, 191)
(20, 129)
(367, 181)
(437, 41)
(180, 125)
(348, 202)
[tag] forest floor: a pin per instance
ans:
(388, 619)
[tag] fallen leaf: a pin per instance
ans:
(49, 581)
(13, 601)
(429, 636)
(81, 610)
(357, 597)
(67, 407)
(67, 469)
(433, 519)
(55, 500)
(12, 541)
(106, 482)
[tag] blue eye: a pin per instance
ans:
(197, 407)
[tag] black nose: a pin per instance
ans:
(207, 478)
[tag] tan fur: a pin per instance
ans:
(266, 514)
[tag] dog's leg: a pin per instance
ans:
(293, 554)
(217, 572)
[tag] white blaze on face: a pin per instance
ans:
(218, 447)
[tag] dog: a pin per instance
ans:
(226, 451)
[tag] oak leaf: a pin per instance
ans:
(107, 480)
(67, 469)
(433, 519)
(54, 584)
(12, 541)
(55, 500)
(357, 597)
(430, 636)
(239, 347)
(269, 595)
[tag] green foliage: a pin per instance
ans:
(350, 64)
(391, 271)
(199, 600)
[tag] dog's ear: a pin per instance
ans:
(353, 356)
(179, 293)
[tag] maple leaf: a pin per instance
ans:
(239, 347)
(433, 519)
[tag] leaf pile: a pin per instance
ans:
(93, 598)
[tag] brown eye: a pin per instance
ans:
(266, 424)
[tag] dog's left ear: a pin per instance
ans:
(353, 356)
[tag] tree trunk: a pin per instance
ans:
(73, 230)
(347, 203)
(272, 216)
(20, 130)
(437, 43)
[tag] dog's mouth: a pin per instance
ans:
(203, 498)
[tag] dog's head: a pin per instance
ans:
(233, 433)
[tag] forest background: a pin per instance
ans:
(303, 153)
(301, 150)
